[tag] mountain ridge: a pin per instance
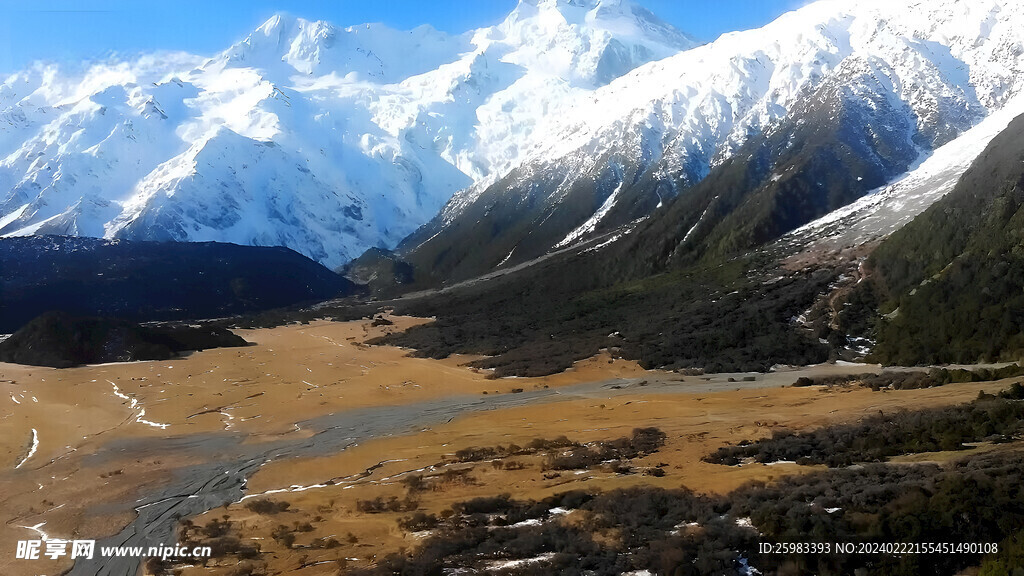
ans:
(379, 139)
(942, 69)
(148, 281)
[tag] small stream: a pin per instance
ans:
(229, 461)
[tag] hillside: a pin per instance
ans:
(830, 102)
(146, 281)
(58, 340)
(951, 283)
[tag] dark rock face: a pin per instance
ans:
(379, 270)
(146, 281)
(58, 340)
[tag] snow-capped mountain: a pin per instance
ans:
(889, 80)
(325, 140)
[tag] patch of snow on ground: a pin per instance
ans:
(134, 403)
(525, 523)
(746, 569)
(504, 564)
(32, 450)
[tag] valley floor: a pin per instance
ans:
(355, 438)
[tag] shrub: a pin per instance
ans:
(418, 522)
(379, 505)
(265, 506)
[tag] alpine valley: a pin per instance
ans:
(576, 293)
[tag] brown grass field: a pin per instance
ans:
(98, 452)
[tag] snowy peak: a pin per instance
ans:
(284, 38)
(368, 52)
(905, 76)
(587, 42)
(576, 10)
(302, 43)
(950, 63)
(325, 139)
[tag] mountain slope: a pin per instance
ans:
(144, 281)
(60, 341)
(304, 135)
(887, 209)
(688, 285)
(952, 281)
(923, 72)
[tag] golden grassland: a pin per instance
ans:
(290, 374)
(101, 432)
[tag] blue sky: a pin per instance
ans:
(69, 30)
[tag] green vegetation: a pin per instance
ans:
(564, 454)
(378, 269)
(731, 316)
(266, 506)
(149, 281)
(1010, 559)
(542, 320)
(379, 505)
(951, 283)
(874, 439)
(915, 379)
(980, 500)
(60, 340)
